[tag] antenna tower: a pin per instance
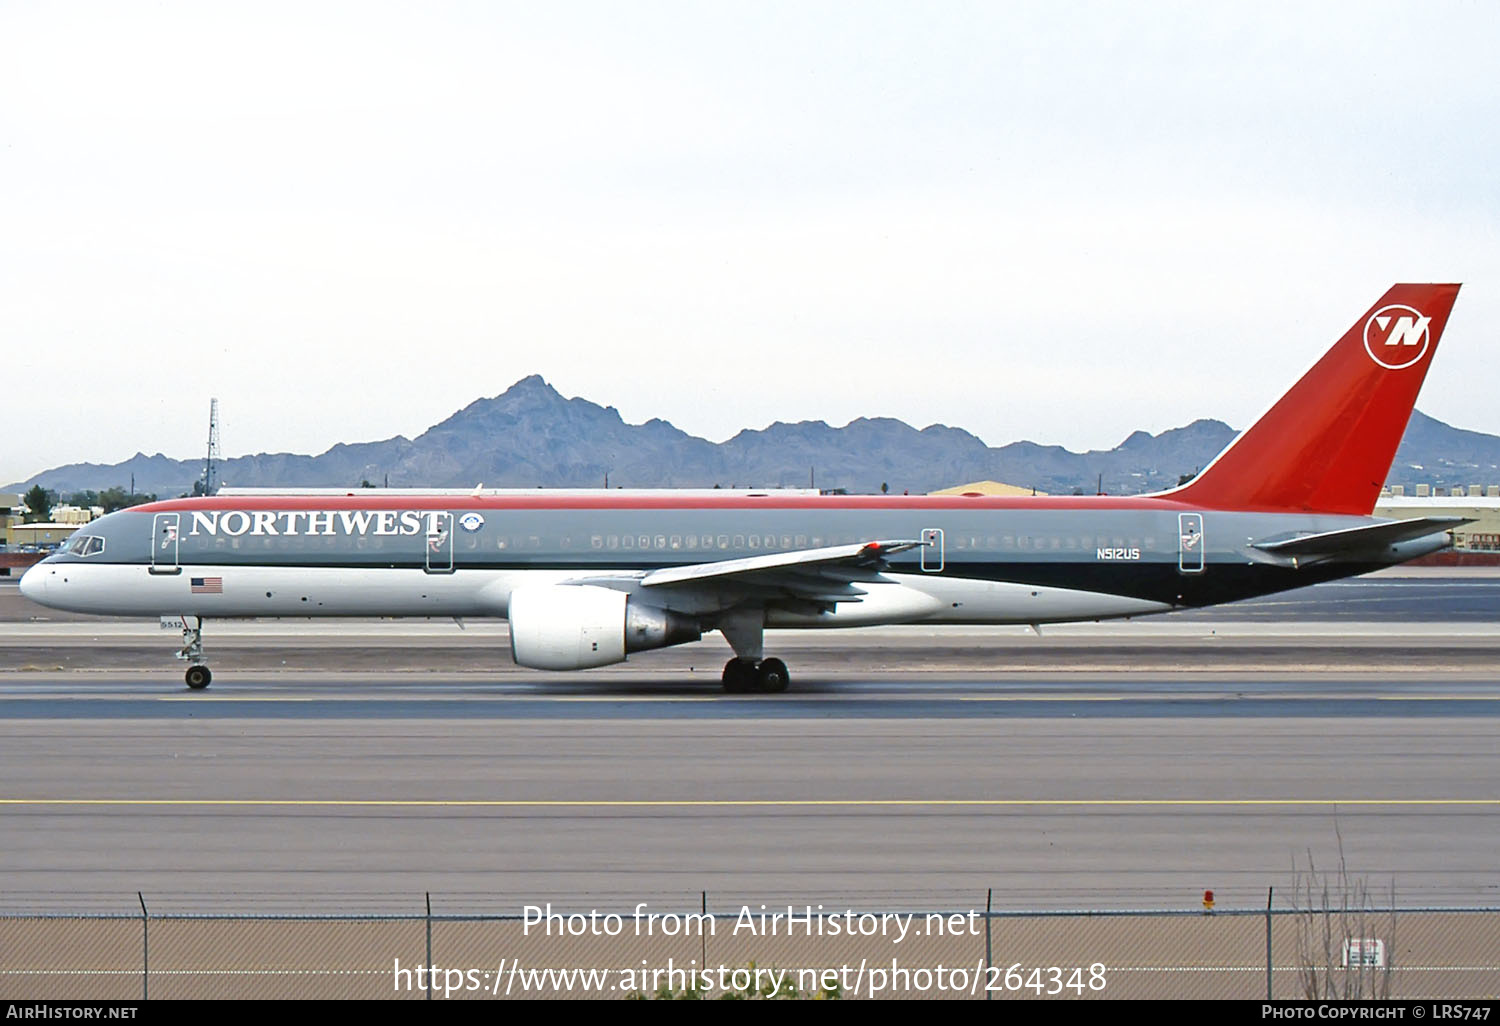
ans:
(211, 464)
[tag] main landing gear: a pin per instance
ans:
(765, 676)
(749, 671)
(198, 675)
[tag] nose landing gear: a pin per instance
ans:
(198, 675)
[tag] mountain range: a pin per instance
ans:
(531, 436)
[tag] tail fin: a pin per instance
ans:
(1327, 445)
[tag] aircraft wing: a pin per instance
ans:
(870, 555)
(809, 579)
(1361, 539)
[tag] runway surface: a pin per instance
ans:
(347, 795)
(1263, 745)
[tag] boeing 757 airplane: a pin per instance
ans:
(586, 578)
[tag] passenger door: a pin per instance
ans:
(1190, 543)
(439, 543)
(932, 550)
(164, 544)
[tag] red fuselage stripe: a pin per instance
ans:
(665, 502)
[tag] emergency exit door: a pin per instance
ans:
(932, 550)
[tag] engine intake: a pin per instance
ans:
(574, 627)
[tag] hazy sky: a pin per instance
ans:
(1053, 221)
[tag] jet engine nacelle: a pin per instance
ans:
(574, 627)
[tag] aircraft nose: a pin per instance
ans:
(34, 583)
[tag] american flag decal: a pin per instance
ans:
(207, 585)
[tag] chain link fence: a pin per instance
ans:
(975, 954)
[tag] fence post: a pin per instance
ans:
(429, 945)
(145, 947)
(1269, 892)
(989, 958)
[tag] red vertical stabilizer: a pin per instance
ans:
(1327, 445)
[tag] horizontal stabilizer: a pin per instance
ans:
(1361, 539)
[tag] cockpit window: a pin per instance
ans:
(85, 545)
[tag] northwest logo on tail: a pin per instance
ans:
(1397, 337)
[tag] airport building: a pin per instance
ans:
(988, 488)
(76, 514)
(10, 513)
(47, 535)
(1479, 502)
(63, 520)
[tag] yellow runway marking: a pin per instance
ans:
(792, 803)
(1436, 698)
(1039, 697)
(450, 697)
(1199, 696)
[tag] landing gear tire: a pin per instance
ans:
(198, 677)
(739, 676)
(771, 676)
(765, 676)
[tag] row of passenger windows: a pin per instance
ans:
(779, 543)
(953, 542)
(691, 542)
